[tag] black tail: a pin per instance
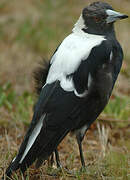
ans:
(44, 144)
(40, 75)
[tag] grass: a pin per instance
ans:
(118, 107)
(115, 163)
(20, 107)
(24, 39)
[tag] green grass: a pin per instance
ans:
(117, 160)
(7, 96)
(18, 106)
(23, 108)
(34, 35)
(115, 165)
(119, 108)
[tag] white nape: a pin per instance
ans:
(33, 137)
(79, 25)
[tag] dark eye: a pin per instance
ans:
(97, 19)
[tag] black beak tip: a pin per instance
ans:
(124, 16)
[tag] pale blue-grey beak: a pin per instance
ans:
(114, 16)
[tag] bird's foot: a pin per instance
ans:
(53, 171)
(83, 169)
(59, 171)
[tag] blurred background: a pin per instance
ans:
(31, 30)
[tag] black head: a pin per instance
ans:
(99, 18)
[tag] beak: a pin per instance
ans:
(114, 16)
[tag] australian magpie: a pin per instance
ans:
(77, 85)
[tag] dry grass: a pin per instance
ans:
(30, 30)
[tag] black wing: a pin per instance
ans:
(50, 124)
(98, 56)
(56, 113)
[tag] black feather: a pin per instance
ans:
(40, 75)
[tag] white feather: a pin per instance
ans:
(79, 25)
(89, 80)
(33, 137)
(86, 91)
(111, 56)
(81, 95)
(13, 159)
(67, 83)
(75, 48)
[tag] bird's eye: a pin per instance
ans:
(97, 19)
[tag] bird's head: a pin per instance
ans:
(98, 18)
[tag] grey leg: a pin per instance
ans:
(80, 133)
(57, 158)
(59, 166)
(52, 159)
(79, 141)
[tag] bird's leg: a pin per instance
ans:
(59, 166)
(79, 141)
(57, 159)
(80, 133)
(52, 159)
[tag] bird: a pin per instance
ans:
(74, 86)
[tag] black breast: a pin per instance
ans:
(102, 81)
(98, 95)
(100, 87)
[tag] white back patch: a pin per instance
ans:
(75, 48)
(67, 83)
(33, 137)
